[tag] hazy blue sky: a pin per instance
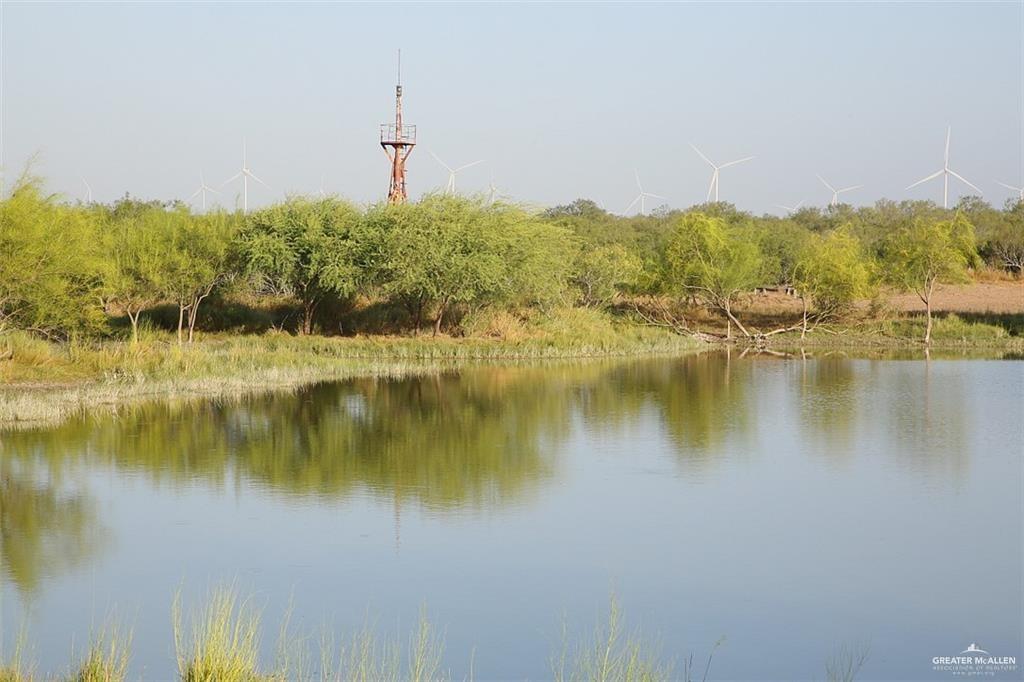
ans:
(561, 100)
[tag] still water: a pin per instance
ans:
(792, 506)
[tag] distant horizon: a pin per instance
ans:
(157, 95)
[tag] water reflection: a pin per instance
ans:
(43, 530)
(479, 438)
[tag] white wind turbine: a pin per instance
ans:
(492, 192)
(642, 196)
(791, 209)
(713, 188)
(837, 192)
(452, 172)
(245, 174)
(203, 189)
(322, 194)
(945, 171)
(1018, 190)
(88, 190)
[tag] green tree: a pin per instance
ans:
(50, 264)
(928, 252)
(303, 247)
(781, 242)
(830, 273)
(718, 262)
(603, 272)
(137, 272)
(537, 256)
(433, 254)
(198, 259)
(1003, 240)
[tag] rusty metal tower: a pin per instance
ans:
(397, 141)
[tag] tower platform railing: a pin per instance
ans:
(391, 134)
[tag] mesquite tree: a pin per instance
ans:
(928, 252)
(441, 251)
(198, 259)
(716, 261)
(304, 247)
(830, 274)
(138, 272)
(51, 264)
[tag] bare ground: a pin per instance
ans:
(977, 297)
(999, 297)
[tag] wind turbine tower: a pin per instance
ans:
(397, 141)
(244, 174)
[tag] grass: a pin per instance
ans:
(223, 644)
(221, 641)
(107, 657)
(14, 668)
(368, 658)
(45, 383)
(611, 656)
(949, 331)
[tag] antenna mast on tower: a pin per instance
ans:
(397, 141)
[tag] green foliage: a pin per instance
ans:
(138, 272)
(1002, 237)
(831, 273)
(714, 260)
(537, 257)
(198, 259)
(605, 271)
(782, 242)
(67, 267)
(304, 248)
(927, 252)
(51, 273)
(448, 250)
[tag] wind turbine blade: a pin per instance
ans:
(733, 163)
(1003, 184)
(847, 189)
(438, 159)
(232, 178)
(253, 176)
(701, 154)
(949, 130)
(468, 165)
(825, 182)
(711, 187)
(197, 192)
(930, 177)
(965, 181)
(636, 174)
(798, 205)
(655, 196)
(210, 189)
(633, 203)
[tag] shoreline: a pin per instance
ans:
(108, 376)
(117, 375)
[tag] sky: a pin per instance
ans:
(559, 100)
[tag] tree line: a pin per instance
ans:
(69, 270)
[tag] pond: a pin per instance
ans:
(794, 506)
